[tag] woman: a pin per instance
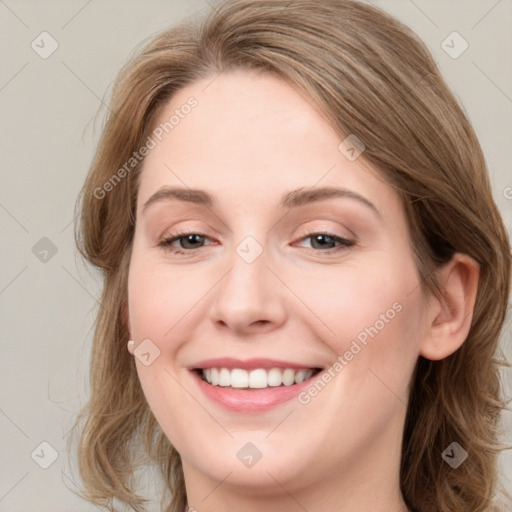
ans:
(258, 365)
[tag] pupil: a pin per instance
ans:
(190, 238)
(322, 239)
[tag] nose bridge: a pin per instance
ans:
(248, 294)
(247, 282)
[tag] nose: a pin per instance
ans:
(249, 299)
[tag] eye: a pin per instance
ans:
(188, 237)
(191, 242)
(322, 240)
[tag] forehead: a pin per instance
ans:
(251, 136)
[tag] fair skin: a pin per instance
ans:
(251, 139)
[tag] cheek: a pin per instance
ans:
(348, 300)
(158, 302)
(159, 298)
(369, 314)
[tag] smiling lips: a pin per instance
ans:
(251, 391)
(258, 378)
(253, 373)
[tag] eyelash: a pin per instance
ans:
(166, 242)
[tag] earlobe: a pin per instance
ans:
(451, 316)
(131, 346)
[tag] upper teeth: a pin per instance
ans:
(259, 378)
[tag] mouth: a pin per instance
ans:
(258, 378)
(252, 386)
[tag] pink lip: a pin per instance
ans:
(248, 364)
(250, 400)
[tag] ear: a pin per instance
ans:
(450, 317)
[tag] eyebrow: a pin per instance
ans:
(292, 199)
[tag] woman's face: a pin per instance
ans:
(276, 270)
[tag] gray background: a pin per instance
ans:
(52, 115)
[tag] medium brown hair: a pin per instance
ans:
(370, 76)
